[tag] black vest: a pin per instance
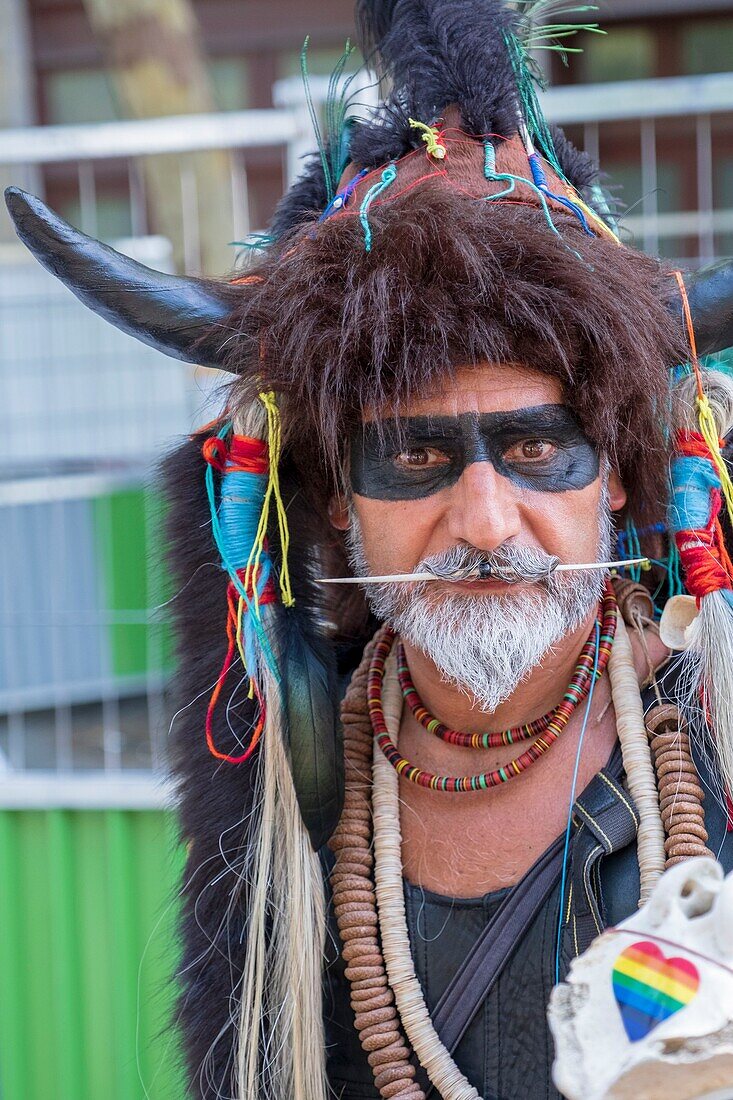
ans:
(507, 1050)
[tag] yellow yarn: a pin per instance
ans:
(709, 432)
(274, 442)
(430, 135)
(241, 609)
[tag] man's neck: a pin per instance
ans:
(535, 696)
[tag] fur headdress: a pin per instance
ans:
(450, 228)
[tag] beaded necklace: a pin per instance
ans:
(548, 728)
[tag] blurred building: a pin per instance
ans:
(86, 874)
(57, 76)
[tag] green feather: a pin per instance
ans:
(334, 112)
(528, 104)
(315, 120)
(536, 32)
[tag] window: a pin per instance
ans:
(321, 62)
(625, 53)
(707, 46)
(624, 179)
(230, 79)
(80, 95)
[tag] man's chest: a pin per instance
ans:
(466, 845)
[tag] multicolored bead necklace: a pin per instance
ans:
(546, 730)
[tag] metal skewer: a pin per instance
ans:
(400, 578)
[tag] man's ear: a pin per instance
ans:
(616, 492)
(339, 512)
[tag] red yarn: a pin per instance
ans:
(248, 455)
(707, 566)
(703, 553)
(692, 444)
(244, 455)
(267, 596)
(215, 452)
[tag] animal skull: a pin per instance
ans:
(647, 1012)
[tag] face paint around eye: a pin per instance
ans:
(379, 465)
(571, 461)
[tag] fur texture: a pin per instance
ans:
(432, 54)
(216, 799)
(455, 281)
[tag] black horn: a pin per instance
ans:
(183, 318)
(710, 293)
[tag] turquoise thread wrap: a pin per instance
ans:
(234, 527)
(389, 175)
(693, 479)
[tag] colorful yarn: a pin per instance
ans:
(554, 721)
(341, 200)
(247, 485)
(273, 494)
(431, 137)
(234, 605)
(694, 517)
(706, 418)
(606, 622)
(512, 181)
(389, 175)
(540, 180)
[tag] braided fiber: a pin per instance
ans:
(680, 793)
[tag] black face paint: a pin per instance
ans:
(564, 458)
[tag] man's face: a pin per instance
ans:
(497, 459)
(494, 465)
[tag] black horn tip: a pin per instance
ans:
(710, 294)
(20, 203)
(184, 318)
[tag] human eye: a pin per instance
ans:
(531, 450)
(420, 458)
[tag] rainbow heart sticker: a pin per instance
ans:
(649, 988)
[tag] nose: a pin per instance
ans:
(484, 510)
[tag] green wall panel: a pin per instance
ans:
(87, 952)
(128, 527)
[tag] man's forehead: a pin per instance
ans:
(484, 388)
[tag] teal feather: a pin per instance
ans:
(314, 732)
(323, 152)
(534, 31)
(334, 113)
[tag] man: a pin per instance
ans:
(447, 365)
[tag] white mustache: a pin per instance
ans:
(514, 573)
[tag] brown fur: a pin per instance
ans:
(451, 280)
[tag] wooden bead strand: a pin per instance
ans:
(680, 792)
(437, 1061)
(355, 905)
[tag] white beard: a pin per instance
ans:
(487, 645)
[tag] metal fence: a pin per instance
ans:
(85, 412)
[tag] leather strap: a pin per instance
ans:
(607, 822)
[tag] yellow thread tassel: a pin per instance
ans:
(709, 432)
(430, 135)
(274, 440)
